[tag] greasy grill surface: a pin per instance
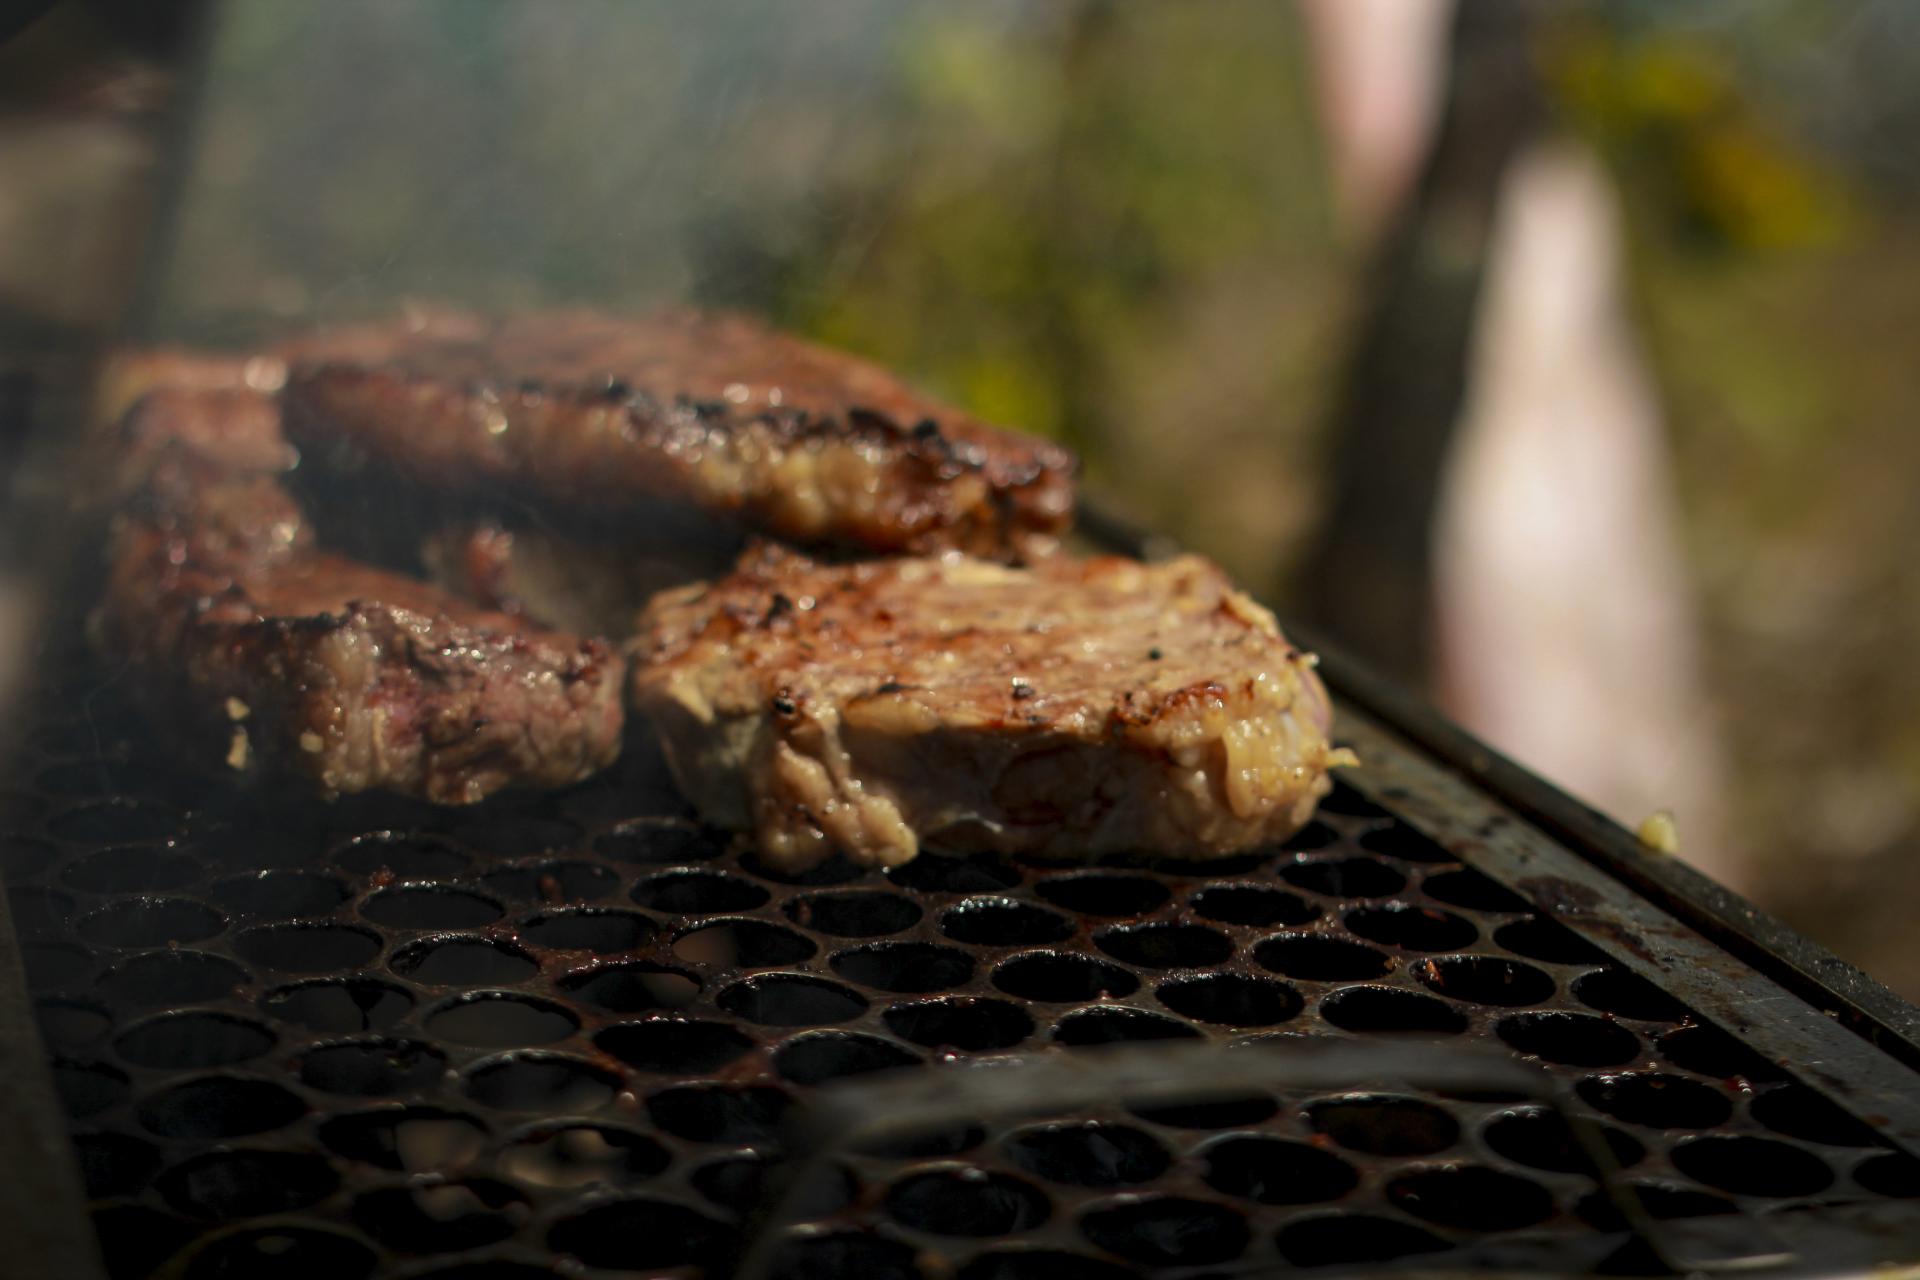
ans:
(384, 1039)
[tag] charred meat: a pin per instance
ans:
(579, 411)
(1075, 707)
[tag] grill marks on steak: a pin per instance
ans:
(266, 651)
(713, 412)
(1076, 707)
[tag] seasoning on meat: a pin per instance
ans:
(1076, 707)
(266, 652)
(576, 410)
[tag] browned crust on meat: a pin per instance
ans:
(268, 654)
(716, 412)
(1074, 707)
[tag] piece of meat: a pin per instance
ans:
(1078, 707)
(268, 653)
(629, 418)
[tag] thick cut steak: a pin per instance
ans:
(1075, 707)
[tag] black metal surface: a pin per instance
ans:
(380, 1038)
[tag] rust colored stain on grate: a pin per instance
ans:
(379, 1038)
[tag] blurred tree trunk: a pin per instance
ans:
(1368, 580)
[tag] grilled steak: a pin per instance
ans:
(580, 412)
(265, 651)
(1076, 707)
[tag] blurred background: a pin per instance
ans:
(1558, 359)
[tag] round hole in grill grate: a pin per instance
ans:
(1002, 922)
(1166, 946)
(135, 1240)
(42, 911)
(401, 855)
(601, 930)
(1102, 894)
(307, 948)
(172, 977)
(1231, 999)
(1384, 1125)
(1712, 1052)
(1799, 1112)
(1657, 1100)
(1894, 1174)
(279, 895)
(1548, 941)
(698, 893)
(739, 1182)
(500, 1020)
(117, 821)
(835, 1254)
(1354, 1238)
(923, 1143)
(832, 1055)
(1659, 1201)
(729, 1114)
(1752, 1166)
(634, 987)
(219, 1108)
(545, 1082)
(837, 868)
(1315, 835)
(552, 881)
(911, 968)
(70, 1024)
(194, 1039)
(1088, 1154)
(228, 1185)
(1471, 1198)
(441, 1217)
(1542, 1139)
(1316, 957)
(1485, 980)
(1222, 1113)
(967, 1202)
(1059, 977)
(660, 842)
(23, 859)
(131, 869)
(1390, 1009)
(1040, 1264)
(1253, 905)
(1411, 928)
(791, 1000)
(114, 1164)
(284, 1252)
(859, 913)
(517, 835)
(87, 1088)
(642, 1234)
(50, 966)
(1118, 1025)
(1403, 842)
(941, 873)
(339, 1004)
(1627, 995)
(1273, 1171)
(673, 1045)
(151, 922)
(1168, 1231)
(970, 1023)
(459, 961)
(406, 1140)
(1472, 890)
(580, 1155)
(1345, 877)
(743, 944)
(429, 907)
(375, 1068)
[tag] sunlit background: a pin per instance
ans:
(1562, 360)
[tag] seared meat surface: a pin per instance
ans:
(579, 412)
(266, 652)
(1076, 707)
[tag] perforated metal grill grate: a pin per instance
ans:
(375, 1038)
